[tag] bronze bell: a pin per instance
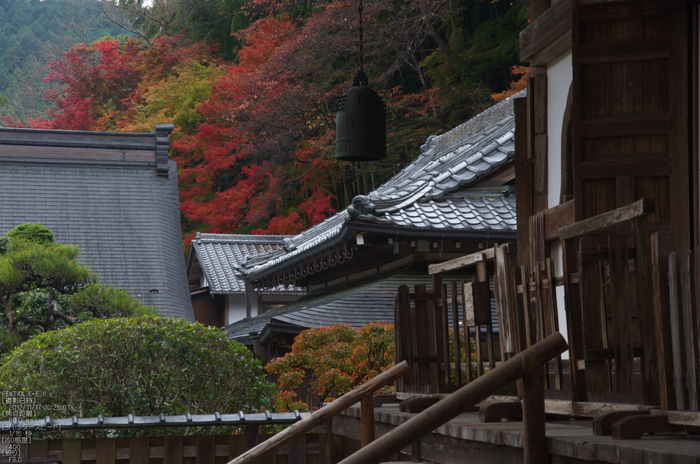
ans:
(360, 124)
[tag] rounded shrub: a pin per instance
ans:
(31, 232)
(143, 366)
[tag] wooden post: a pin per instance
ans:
(574, 322)
(172, 450)
(106, 451)
(661, 246)
(677, 340)
(139, 450)
(535, 440)
(458, 402)
(367, 419)
(297, 450)
(322, 415)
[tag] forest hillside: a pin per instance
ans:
(251, 87)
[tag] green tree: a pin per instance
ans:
(43, 287)
(142, 366)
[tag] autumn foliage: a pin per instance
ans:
(254, 135)
(331, 361)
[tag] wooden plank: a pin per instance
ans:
(139, 450)
(574, 321)
(540, 172)
(523, 177)
(645, 311)
(540, 319)
(553, 50)
(597, 375)
(556, 218)
(554, 321)
(236, 446)
(639, 208)
(423, 340)
(442, 333)
(662, 245)
(38, 448)
(477, 303)
(404, 331)
(206, 449)
(633, 427)
(677, 333)
(367, 419)
(455, 336)
(106, 451)
(172, 450)
(461, 262)
(545, 30)
(621, 313)
(467, 340)
(646, 167)
(641, 50)
(298, 451)
(689, 321)
(503, 308)
(527, 312)
(71, 450)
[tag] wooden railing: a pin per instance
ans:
(362, 393)
(527, 364)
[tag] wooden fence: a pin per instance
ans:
(203, 449)
(446, 333)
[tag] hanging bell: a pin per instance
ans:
(360, 124)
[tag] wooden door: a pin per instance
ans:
(631, 106)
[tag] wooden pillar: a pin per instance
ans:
(535, 440)
(367, 419)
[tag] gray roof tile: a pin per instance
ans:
(449, 164)
(118, 201)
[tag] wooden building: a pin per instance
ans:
(457, 197)
(217, 288)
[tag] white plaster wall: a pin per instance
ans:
(559, 77)
(236, 307)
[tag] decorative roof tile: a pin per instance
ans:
(220, 256)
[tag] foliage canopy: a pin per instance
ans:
(141, 366)
(331, 361)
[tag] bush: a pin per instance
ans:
(331, 361)
(32, 232)
(143, 366)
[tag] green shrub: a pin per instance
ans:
(143, 366)
(32, 232)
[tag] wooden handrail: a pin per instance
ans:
(322, 415)
(458, 402)
(639, 208)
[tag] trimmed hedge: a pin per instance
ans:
(143, 366)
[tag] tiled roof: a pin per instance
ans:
(220, 255)
(115, 195)
(356, 306)
(438, 191)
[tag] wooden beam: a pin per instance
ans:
(546, 29)
(662, 245)
(322, 415)
(557, 217)
(458, 402)
(462, 262)
(553, 50)
(639, 208)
